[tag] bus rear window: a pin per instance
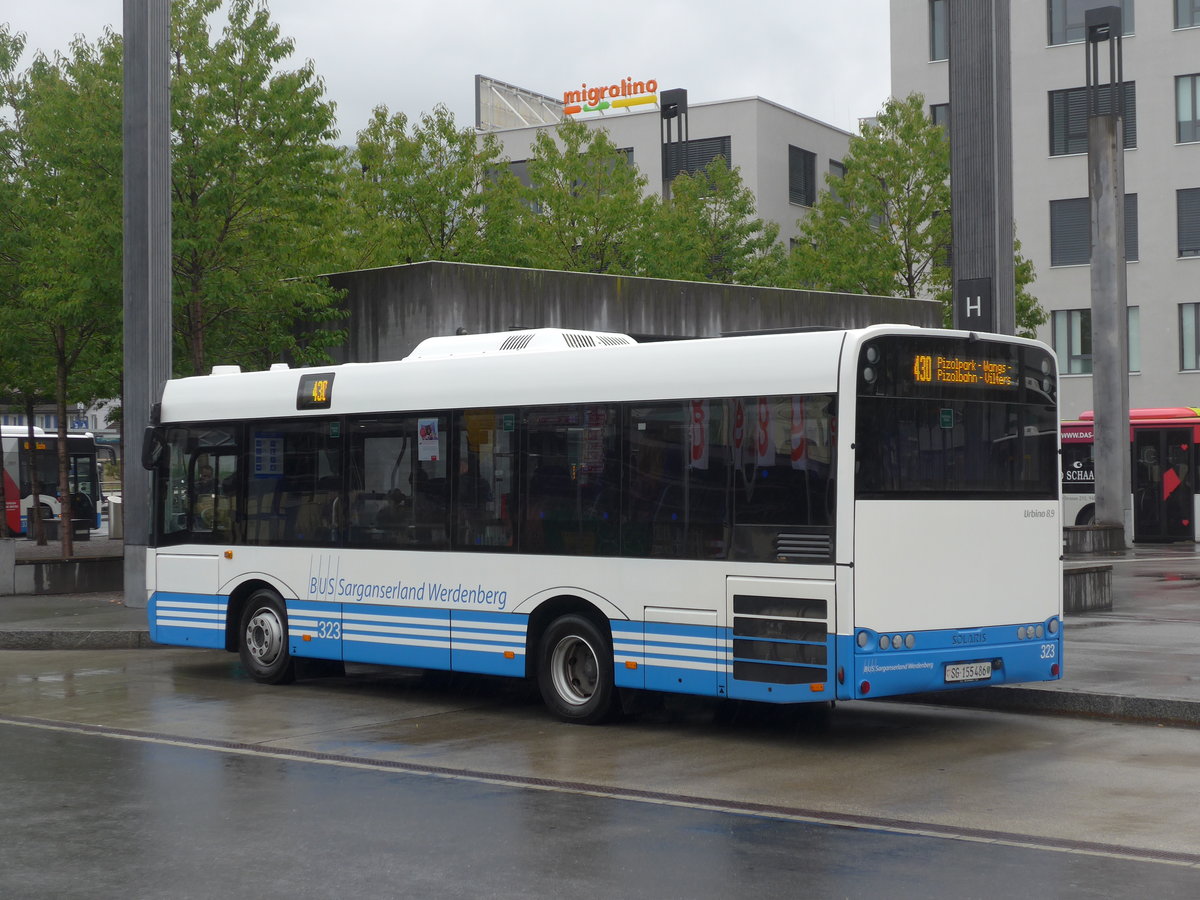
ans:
(933, 448)
(955, 417)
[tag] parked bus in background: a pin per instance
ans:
(787, 518)
(1162, 473)
(17, 452)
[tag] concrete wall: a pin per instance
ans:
(393, 309)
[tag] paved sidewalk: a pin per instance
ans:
(1140, 661)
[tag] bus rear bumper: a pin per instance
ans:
(872, 672)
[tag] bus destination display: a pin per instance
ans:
(935, 368)
(315, 391)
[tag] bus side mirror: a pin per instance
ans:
(154, 445)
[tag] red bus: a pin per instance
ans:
(1163, 478)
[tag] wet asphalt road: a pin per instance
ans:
(167, 774)
(97, 816)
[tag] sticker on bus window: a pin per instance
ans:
(427, 440)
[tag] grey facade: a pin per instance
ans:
(1050, 177)
(393, 309)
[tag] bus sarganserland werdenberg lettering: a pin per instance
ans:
(789, 518)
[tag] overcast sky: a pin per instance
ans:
(828, 59)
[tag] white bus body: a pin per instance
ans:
(881, 587)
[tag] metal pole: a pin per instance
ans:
(147, 262)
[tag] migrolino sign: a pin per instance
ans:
(624, 94)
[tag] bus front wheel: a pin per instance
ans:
(575, 671)
(264, 645)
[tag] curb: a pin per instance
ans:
(77, 640)
(1143, 710)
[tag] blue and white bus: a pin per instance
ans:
(789, 518)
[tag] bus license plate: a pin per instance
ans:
(976, 671)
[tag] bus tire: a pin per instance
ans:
(263, 640)
(575, 671)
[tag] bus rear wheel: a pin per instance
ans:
(575, 671)
(263, 644)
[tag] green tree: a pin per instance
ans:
(63, 266)
(885, 228)
(586, 203)
(253, 175)
(708, 231)
(423, 192)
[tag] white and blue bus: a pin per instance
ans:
(788, 517)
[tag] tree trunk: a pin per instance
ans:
(66, 526)
(33, 522)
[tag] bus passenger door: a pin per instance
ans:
(1163, 492)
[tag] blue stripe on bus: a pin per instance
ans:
(396, 636)
(193, 620)
(488, 643)
(688, 659)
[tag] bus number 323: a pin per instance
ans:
(333, 631)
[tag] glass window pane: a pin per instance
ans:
(678, 476)
(1187, 333)
(939, 37)
(570, 497)
(1186, 108)
(486, 448)
(783, 455)
(294, 486)
(1134, 318)
(398, 494)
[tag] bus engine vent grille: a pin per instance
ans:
(780, 640)
(517, 342)
(790, 545)
(578, 340)
(613, 340)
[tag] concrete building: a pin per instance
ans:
(783, 155)
(1161, 47)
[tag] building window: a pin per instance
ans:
(802, 176)
(1187, 108)
(1134, 323)
(1187, 206)
(693, 156)
(939, 114)
(1071, 231)
(1066, 19)
(939, 30)
(837, 171)
(1187, 13)
(1073, 340)
(1069, 118)
(1189, 336)
(1072, 336)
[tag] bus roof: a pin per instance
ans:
(488, 376)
